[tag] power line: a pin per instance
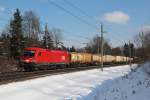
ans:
(117, 39)
(75, 35)
(83, 37)
(79, 42)
(74, 42)
(79, 9)
(72, 14)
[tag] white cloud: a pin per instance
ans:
(2, 9)
(118, 17)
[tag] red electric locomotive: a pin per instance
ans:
(39, 58)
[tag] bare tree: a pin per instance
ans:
(95, 44)
(31, 25)
(57, 36)
(142, 41)
(139, 39)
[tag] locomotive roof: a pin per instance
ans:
(42, 49)
(34, 48)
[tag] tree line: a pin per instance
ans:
(142, 42)
(24, 30)
(94, 46)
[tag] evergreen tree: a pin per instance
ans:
(4, 45)
(47, 38)
(132, 49)
(126, 50)
(128, 47)
(16, 34)
(72, 49)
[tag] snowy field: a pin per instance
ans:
(115, 83)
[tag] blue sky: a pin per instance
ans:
(121, 18)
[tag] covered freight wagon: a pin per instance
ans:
(118, 59)
(96, 59)
(74, 58)
(108, 58)
(87, 58)
(80, 58)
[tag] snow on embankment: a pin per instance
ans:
(70, 86)
(133, 86)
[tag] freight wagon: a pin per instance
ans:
(96, 59)
(108, 58)
(81, 58)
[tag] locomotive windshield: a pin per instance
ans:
(29, 53)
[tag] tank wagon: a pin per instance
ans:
(39, 58)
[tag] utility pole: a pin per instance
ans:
(102, 44)
(98, 43)
(46, 32)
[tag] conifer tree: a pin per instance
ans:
(16, 34)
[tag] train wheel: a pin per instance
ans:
(29, 68)
(20, 68)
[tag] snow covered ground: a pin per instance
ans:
(133, 86)
(115, 83)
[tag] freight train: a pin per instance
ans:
(35, 58)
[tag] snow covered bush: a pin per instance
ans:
(146, 67)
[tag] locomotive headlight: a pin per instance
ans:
(27, 60)
(30, 60)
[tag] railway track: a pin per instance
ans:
(21, 76)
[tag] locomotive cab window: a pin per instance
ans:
(29, 53)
